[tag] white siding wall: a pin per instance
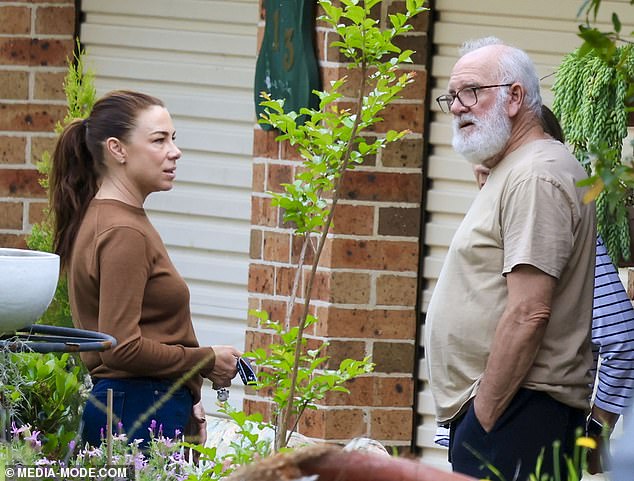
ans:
(199, 57)
(547, 31)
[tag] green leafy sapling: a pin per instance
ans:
(331, 141)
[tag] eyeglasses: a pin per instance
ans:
(467, 96)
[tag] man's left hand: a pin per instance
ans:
(485, 417)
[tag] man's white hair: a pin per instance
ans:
(514, 65)
(476, 43)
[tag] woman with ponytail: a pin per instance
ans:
(120, 278)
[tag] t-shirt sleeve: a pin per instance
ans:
(124, 266)
(537, 223)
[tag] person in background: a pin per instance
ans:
(612, 335)
(507, 336)
(613, 349)
(121, 280)
(612, 341)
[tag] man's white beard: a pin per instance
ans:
(488, 136)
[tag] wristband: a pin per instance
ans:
(596, 428)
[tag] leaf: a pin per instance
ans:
(397, 20)
(392, 135)
(594, 191)
(355, 13)
(340, 389)
(616, 22)
(595, 40)
(333, 14)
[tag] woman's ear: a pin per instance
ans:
(516, 98)
(116, 149)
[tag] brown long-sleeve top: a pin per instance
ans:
(122, 282)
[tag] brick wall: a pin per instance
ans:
(365, 296)
(36, 37)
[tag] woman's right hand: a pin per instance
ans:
(225, 367)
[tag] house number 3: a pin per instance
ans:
(289, 49)
(287, 66)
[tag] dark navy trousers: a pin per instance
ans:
(132, 398)
(533, 420)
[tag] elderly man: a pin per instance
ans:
(508, 326)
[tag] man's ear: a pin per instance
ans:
(115, 148)
(516, 98)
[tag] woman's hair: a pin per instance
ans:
(78, 160)
(551, 125)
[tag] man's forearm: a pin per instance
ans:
(518, 337)
(513, 351)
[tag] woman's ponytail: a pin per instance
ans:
(73, 183)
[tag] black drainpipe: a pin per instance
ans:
(420, 318)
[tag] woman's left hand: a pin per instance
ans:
(197, 427)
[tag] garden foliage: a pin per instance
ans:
(594, 97)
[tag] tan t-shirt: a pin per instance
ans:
(530, 211)
(122, 282)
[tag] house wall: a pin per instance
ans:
(366, 290)
(35, 40)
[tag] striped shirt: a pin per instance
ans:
(612, 336)
(612, 340)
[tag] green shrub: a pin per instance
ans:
(45, 391)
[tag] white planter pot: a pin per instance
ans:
(27, 284)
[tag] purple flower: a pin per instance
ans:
(139, 462)
(167, 442)
(33, 439)
(177, 458)
(71, 445)
(94, 452)
(120, 427)
(16, 431)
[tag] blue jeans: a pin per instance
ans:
(132, 399)
(532, 421)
